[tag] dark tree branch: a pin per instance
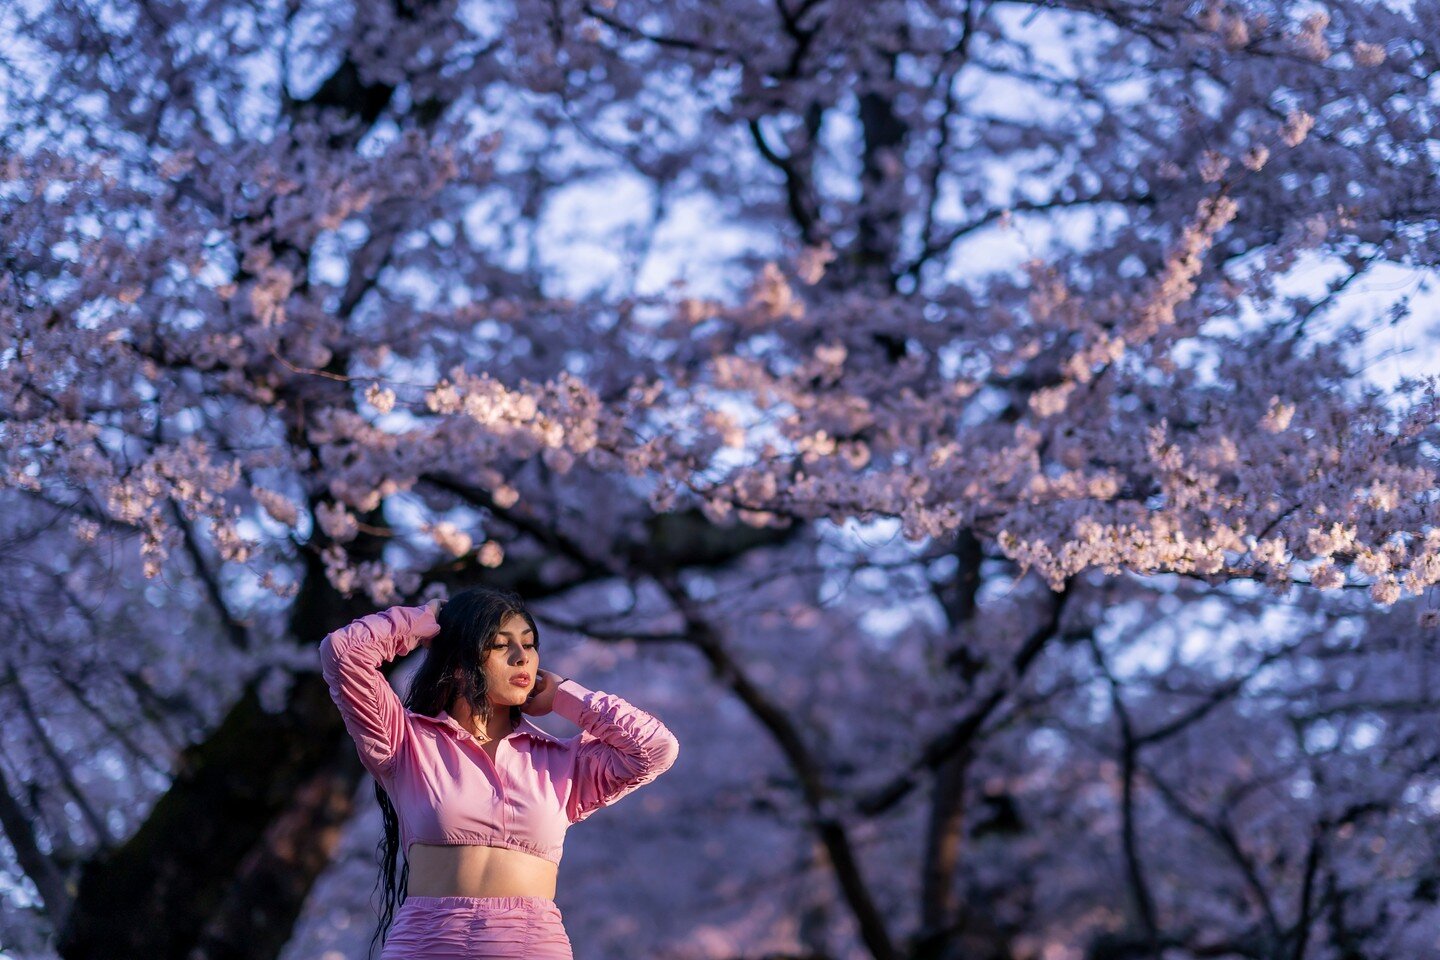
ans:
(706, 638)
(47, 875)
(961, 735)
(235, 631)
(62, 768)
(1129, 756)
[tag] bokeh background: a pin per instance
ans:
(998, 439)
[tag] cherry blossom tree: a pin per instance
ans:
(1010, 512)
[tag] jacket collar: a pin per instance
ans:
(445, 720)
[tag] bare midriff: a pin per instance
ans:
(467, 870)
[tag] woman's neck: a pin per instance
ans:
(499, 725)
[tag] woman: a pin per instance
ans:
(476, 796)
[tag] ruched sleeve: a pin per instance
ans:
(350, 660)
(626, 747)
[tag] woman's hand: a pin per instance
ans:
(434, 608)
(542, 699)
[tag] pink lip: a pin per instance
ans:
(521, 681)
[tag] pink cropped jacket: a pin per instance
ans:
(445, 788)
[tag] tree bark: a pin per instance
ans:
(209, 836)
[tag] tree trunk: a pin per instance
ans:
(247, 825)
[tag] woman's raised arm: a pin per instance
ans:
(350, 660)
(630, 749)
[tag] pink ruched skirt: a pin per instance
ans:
(477, 928)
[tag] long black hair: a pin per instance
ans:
(451, 669)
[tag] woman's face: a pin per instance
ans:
(511, 653)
